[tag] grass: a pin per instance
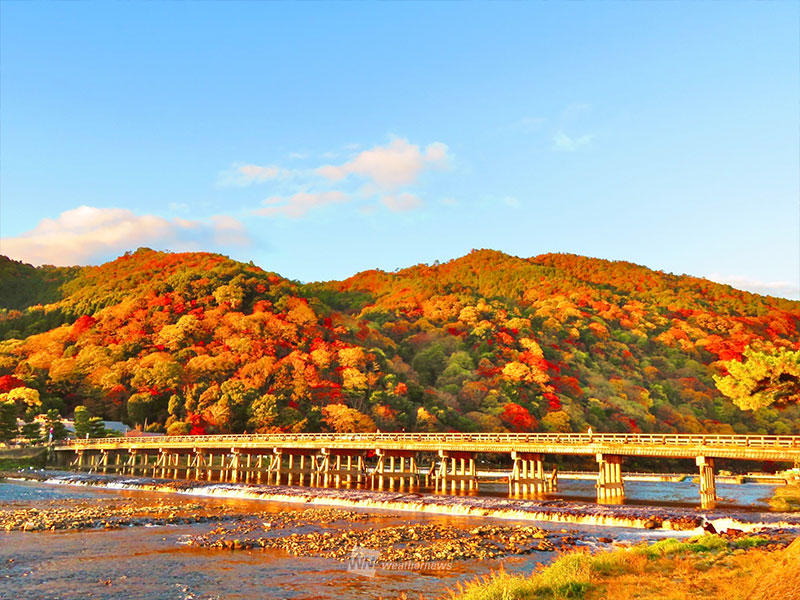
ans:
(21, 458)
(706, 567)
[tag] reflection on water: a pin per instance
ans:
(150, 562)
(655, 493)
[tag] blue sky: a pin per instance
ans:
(318, 139)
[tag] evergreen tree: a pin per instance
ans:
(55, 426)
(81, 421)
(8, 421)
(32, 430)
(96, 427)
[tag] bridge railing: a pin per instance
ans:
(376, 439)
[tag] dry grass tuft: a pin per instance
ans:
(704, 568)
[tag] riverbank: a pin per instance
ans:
(707, 567)
(33, 457)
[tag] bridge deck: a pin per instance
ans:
(739, 447)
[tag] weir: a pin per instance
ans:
(342, 459)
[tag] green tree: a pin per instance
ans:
(139, 407)
(81, 421)
(8, 421)
(32, 429)
(54, 426)
(429, 363)
(762, 378)
(96, 427)
(263, 412)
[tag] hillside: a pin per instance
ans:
(198, 342)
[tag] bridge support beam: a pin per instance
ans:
(527, 475)
(708, 487)
(387, 468)
(299, 464)
(232, 466)
(341, 466)
(458, 470)
(610, 487)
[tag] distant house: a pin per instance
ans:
(137, 433)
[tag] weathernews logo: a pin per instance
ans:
(366, 561)
(363, 561)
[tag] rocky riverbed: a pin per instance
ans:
(318, 532)
(76, 514)
(418, 542)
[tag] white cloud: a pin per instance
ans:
(299, 204)
(401, 202)
(87, 233)
(561, 141)
(511, 201)
(394, 165)
(245, 174)
(781, 289)
(228, 231)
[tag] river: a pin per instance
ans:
(155, 562)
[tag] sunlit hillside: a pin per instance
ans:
(197, 342)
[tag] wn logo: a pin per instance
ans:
(362, 561)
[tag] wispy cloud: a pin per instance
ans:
(299, 204)
(781, 289)
(401, 202)
(394, 165)
(242, 174)
(80, 235)
(563, 142)
(381, 175)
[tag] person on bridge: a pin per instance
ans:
(589, 431)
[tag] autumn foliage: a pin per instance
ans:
(197, 343)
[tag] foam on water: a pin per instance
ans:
(683, 520)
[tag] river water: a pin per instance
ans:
(153, 562)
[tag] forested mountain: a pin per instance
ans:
(197, 343)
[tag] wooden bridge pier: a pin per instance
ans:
(527, 474)
(708, 487)
(460, 474)
(382, 475)
(306, 466)
(610, 487)
(333, 471)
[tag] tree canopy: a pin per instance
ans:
(762, 378)
(197, 343)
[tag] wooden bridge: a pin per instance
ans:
(446, 460)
